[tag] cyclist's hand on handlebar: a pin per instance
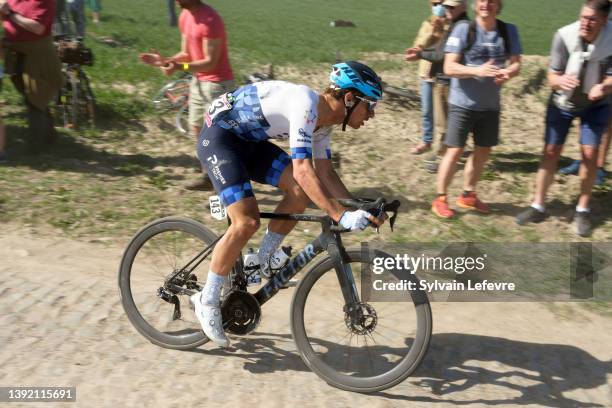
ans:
(356, 220)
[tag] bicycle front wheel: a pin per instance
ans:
(159, 311)
(369, 354)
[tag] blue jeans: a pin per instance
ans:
(172, 13)
(427, 110)
(76, 13)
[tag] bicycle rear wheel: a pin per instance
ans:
(375, 354)
(157, 251)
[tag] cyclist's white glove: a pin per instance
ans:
(354, 220)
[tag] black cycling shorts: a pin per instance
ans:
(231, 162)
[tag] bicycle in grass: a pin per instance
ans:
(174, 97)
(75, 103)
(350, 343)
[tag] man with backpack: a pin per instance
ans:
(480, 57)
(580, 75)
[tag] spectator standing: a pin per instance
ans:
(76, 10)
(580, 75)
(455, 11)
(602, 156)
(203, 53)
(430, 33)
(172, 13)
(96, 7)
(476, 56)
(31, 61)
(2, 129)
(68, 12)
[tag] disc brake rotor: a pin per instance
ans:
(361, 319)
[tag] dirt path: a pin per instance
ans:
(62, 324)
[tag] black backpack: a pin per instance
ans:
(502, 29)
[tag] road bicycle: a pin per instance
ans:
(174, 97)
(75, 103)
(351, 343)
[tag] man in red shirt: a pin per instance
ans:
(203, 53)
(32, 62)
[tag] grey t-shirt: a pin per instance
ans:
(480, 94)
(559, 56)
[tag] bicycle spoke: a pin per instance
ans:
(378, 339)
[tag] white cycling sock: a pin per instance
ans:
(538, 207)
(582, 209)
(212, 289)
(270, 242)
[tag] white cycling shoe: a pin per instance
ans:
(210, 319)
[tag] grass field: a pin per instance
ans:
(129, 170)
(283, 32)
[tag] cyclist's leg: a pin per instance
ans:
(273, 166)
(245, 222)
(223, 155)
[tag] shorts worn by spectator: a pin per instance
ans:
(478, 67)
(580, 75)
(203, 53)
(31, 62)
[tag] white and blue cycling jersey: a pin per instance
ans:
(234, 147)
(278, 110)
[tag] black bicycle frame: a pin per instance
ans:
(329, 240)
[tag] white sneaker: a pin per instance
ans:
(210, 319)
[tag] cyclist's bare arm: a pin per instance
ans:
(212, 51)
(327, 174)
(305, 175)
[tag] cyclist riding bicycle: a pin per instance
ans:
(235, 149)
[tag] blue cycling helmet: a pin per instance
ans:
(355, 75)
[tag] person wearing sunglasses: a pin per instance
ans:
(235, 148)
(454, 12)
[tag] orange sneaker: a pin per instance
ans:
(472, 202)
(440, 207)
